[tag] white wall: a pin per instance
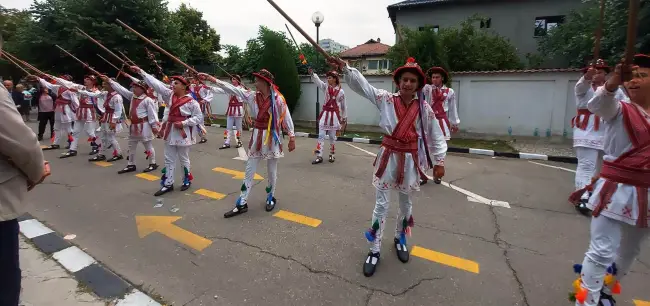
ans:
(489, 103)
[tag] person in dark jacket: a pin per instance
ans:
(44, 99)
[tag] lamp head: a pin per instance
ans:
(317, 18)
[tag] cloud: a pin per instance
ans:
(349, 22)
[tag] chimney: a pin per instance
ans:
(378, 40)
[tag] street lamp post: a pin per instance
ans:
(317, 18)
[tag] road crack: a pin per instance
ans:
(66, 185)
(505, 246)
(329, 273)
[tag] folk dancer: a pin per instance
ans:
(86, 115)
(110, 121)
(589, 129)
(620, 196)
(181, 117)
(144, 123)
(65, 107)
(334, 113)
(272, 116)
(234, 114)
(442, 100)
(203, 95)
(412, 136)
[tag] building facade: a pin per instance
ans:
(369, 58)
(332, 46)
(523, 22)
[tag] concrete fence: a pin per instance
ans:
(521, 103)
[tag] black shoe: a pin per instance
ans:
(402, 251)
(67, 147)
(185, 186)
(238, 210)
(606, 300)
(93, 151)
(270, 204)
(151, 167)
(239, 144)
(97, 157)
(370, 265)
(129, 168)
(115, 158)
(68, 154)
(40, 137)
(225, 146)
(332, 159)
(163, 190)
(582, 207)
(318, 160)
(203, 140)
(423, 182)
(437, 180)
(52, 147)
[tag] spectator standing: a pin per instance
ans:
(44, 99)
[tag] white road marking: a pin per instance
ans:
(532, 156)
(137, 298)
(554, 167)
(73, 259)
(470, 195)
(360, 140)
(33, 228)
(242, 154)
(481, 152)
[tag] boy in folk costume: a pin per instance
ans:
(334, 114)
(589, 129)
(181, 117)
(110, 121)
(620, 196)
(64, 110)
(203, 95)
(412, 136)
(235, 113)
(144, 122)
(86, 115)
(272, 116)
(442, 100)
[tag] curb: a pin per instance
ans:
(85, 269)
(519, 155)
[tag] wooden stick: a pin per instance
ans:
(119, 71)
(25, 64)
(16, 64)
(78, 60)
(599, 32)
(630, 49)
(128, 60)
(304, 34)
(176, 59)
(100, 45)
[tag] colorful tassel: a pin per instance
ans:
(402, 238)
(53, 136)
(577, 285)
(577, 268)
(609, 279)
(115, 152)
(243, 187)
(163, 178)
(269, 188)
(617, 288)
(371, 234)
(148, 154)
(70, 139)
(581, 295)
(225, 134)
(90, 139)
(613, 270)
(269, 198)
(164, 170)
(411, 222)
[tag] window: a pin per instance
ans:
(434, 28)
(543, 25)
(378, 65)
(486, 23)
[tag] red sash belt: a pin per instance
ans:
(167, 126)
(82, 114)
(107, 117)
(400, 148)
(442, 116)
(329, 108)
(234, 106)
(585, 114)
(60, 103)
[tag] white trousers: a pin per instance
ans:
(172, 153)
(251, 167)
(108, 137)
(81, 125)
(61, 131)
(611, 241)
(148, 146)
(589, 164)
(234, 125)
(321, 141)
(382, 204)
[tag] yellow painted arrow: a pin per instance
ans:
(237, 175)
(641, 303)
(164, 225)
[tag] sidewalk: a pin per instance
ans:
(46, 283)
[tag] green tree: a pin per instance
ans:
(425, 46)
(278, 58)
(319, 66)
(11, 21)
(233, 60)
(573, 41)
(196, 36)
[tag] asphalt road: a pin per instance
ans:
(469, 253)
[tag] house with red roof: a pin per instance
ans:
(369, 58)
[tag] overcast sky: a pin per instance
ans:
(349, 22)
